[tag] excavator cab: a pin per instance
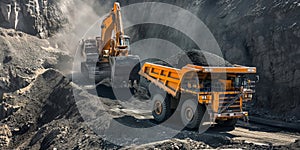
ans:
(124, 47)
(126, 41)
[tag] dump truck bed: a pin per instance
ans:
(169, 78)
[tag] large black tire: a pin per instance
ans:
(227, 123)
(191, 113)
(161, 107)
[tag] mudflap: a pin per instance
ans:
(124, 71)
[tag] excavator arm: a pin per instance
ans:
(113, 24)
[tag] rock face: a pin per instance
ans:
(36, 17)
(264, 34)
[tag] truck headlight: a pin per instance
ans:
(204, 97)
(248, 95)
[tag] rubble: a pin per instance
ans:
(7, 110)
(174, 144)
(5, 135)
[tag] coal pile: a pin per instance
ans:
(48, 117)
(23, 56)
(38, 108)
(197, 57)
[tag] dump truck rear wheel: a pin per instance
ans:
(191, 113)
(161, 109)
(227, 123)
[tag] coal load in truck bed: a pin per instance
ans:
(196, 57)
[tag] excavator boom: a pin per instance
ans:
(113, 22)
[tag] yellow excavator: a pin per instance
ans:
(109, 56)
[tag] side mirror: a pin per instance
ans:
(257, 78)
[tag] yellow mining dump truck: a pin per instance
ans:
(194, 90)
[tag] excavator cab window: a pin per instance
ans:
(121, 41)
(127, 42)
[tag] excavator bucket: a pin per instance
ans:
(124, 71)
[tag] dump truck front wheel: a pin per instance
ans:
(161, 109)
(191, 113)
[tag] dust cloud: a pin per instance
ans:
(84, 20)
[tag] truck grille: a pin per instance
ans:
(227, 99)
